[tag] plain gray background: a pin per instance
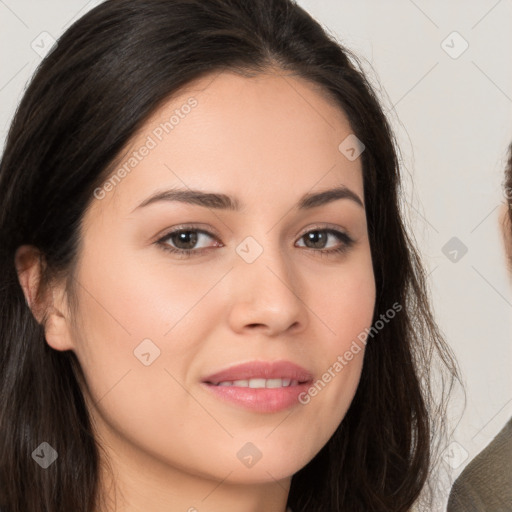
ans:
(444, 75)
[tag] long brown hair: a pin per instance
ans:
(108, 73)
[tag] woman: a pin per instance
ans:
(209, 300)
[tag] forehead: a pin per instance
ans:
(273, 134)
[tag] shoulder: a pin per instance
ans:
(486, 482)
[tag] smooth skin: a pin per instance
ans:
(172, 444)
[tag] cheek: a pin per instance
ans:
(132, 313)
(131, 299)
(129, 316)
(346, 301)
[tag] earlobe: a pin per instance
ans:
(56, 331)
(47, 311)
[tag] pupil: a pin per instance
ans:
(317, 237)
(182, 238)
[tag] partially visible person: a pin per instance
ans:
(485, 485)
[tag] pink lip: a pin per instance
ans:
(261, 370)
(260, 399)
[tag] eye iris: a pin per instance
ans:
(318, 238)
(189, 238)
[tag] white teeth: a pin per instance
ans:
(260, 383)
(274, 383)
(257, 383)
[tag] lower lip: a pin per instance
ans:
(260, 399)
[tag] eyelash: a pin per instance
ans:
(347, 242)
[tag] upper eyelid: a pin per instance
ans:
(177, 229)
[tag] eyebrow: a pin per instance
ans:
(225, 202)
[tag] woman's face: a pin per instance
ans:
(270, 285)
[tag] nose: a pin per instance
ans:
(267, 296)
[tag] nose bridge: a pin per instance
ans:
(263, 259)
(266, 290)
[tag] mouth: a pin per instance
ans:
(259, 383)
(260, 386)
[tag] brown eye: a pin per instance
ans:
(319, 238)
(184, 241)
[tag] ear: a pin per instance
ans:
(506, 233)
(49, 306)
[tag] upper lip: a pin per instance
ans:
(262, 370)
